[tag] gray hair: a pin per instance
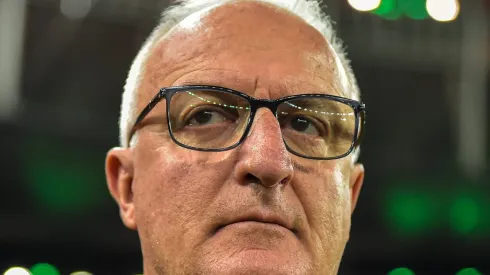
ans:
(309, 10)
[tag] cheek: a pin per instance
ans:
(172, 197)
(325, 197)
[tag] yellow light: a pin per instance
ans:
(443, 10)
(81, 273)
(17, 271)
(364, 5)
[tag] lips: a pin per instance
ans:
(266, 217)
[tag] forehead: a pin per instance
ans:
(248, 46)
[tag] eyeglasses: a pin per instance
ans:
(214, 119)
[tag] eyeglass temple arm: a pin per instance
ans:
(362, 122)
(159, 96)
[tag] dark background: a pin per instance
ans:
(426, 198)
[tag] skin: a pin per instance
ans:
(177, 198)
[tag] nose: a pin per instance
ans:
(263, 157)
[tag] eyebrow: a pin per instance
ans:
(247, 86)
(216, 76)
(235, 82)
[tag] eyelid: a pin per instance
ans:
(187, 114)
(319, 125)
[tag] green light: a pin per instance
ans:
(386, 7)
(394, 9)
(464, 215)
(468, 271)
(401, 271)
(395, 14)
(63, 179)
(389, 9)
(44, 269)
(415, 9)
(410, 211)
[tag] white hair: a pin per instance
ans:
(309, 10)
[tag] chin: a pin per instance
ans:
(261, 262)
(258, 261)
(255, 248)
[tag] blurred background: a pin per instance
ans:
(423, 71)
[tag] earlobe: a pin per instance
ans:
(355, 184)
(119, 177)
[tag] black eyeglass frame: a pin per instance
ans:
(255, 104)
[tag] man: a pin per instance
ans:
(239, 130)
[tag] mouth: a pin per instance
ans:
(263, 218)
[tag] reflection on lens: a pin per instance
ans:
(208, 119)
(317, 127)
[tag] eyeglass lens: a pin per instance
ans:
(311, 126)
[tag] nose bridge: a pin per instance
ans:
(263, 154)
(265, 124)
(257, 106)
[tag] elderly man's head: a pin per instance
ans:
(244, 160)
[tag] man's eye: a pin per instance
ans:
(303, 125)
(205, 117)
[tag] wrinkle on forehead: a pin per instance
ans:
(237, 80)
(217, 37)
(328, 59)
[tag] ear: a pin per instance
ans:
(119, 177)
(355, 184)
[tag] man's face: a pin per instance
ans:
(255, 209)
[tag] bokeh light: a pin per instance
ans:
(464, 215)
(385, 7)
(415, 9)
(44, 269)
(17, 271)
(81, 273)
(468, 271)
(401, 271)
(443, 10)
(75, 9)
(365, 5)
(409, 211)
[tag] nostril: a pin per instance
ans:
(285, 180)
(251, 178)
(267, 183)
